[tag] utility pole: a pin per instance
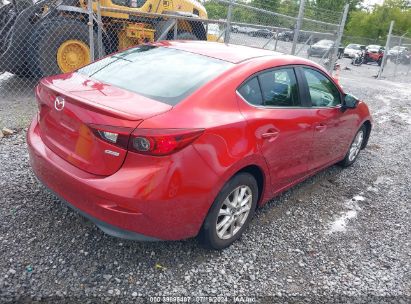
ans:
(387, 46)
(298, 26)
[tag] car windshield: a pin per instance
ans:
(354, 46)
(163, 74)
(325, 43)
(372, 46)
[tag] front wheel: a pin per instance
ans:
(355, 147)
(231, 212)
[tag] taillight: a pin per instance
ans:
(147, 141)
(118, 136)
(162, 141)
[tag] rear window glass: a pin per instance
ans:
(163, 74)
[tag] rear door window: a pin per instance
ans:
(279, 88)
(251, 92)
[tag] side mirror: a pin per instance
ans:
(350, 101)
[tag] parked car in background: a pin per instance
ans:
(266, 33)
(353, 49)
(241, 29)
(397, 50)
(286, 36)
(320, 48)
(302, 36)
(172, 140)
(234, 28)
(214, 33)
(399, 54)
(374, 53)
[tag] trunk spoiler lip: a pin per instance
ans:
(97, 106)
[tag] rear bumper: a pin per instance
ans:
(107, 228)
(140, 201)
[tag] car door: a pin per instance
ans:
(279, 122)
(332, 126)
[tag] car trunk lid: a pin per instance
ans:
(70, 108)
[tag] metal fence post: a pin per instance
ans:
(175, 33)
(99, 31)
(228, 25)
(276, 39)
(387, 45)
(398, 57)
(337, 42)
(90, 29)
(298, 26)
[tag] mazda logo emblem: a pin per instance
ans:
(59, 103)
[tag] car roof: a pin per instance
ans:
(227, 52)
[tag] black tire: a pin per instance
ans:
(208, 234)
(379, 61)
(346, 162)
(24, 72)
(48, 37)
(186, 36)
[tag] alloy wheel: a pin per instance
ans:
(356, 145)
(234, 212)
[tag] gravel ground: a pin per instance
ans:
(342, 233)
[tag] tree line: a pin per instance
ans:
(371, 22)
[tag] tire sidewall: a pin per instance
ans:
(49, 36)
(346, 161)
(209, 232)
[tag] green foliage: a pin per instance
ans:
(362, 22)
(375, 23)
(336, 5)
(216, 10)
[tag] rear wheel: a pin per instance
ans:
(60, 46)
(231, 212)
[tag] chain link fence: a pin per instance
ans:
(387, 57)
(397, 62)
(49, 37)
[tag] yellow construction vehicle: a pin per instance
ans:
(53, 36)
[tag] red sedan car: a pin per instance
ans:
(181, 139)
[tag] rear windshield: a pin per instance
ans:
(163, 74)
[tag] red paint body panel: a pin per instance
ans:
(168, 197)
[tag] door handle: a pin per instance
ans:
(269, 134)
(320, 128)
